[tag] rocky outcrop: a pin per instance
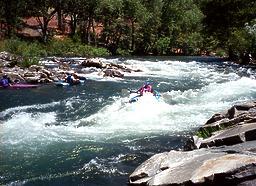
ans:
(223, 153)
(53, 69)
(231, 165)
(236, 125)
(108, 69)
(113, 73)
(9, 60)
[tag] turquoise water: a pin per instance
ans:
(90, 135)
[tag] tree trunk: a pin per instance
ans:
(88, 35)
(8, 18)
(133, 38)
(60, 20)
(45, 29)
(94, 33)
(232, 55)
(83, 28)
(73, 25)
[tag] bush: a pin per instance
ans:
(23, 48)
(65, 48)
(28, 61)
(69, 48)
(221, 53)
(162, 45)
(123, 52)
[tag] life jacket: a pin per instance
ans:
(69, 79)
(4, 82)
(146, 88)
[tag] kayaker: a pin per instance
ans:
(147, 87)
(72, 79)
(69, 79)
(5, 81)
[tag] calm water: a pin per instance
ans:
(90, 135)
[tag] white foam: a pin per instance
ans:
(24, 108)
(176, 111)
(27, 127)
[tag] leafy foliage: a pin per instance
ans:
(226, 20)
(31, 50)
(160, 27)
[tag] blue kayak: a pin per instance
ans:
(134, 97)
(62, 83)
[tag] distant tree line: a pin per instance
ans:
(139, 27)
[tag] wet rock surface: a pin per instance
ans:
(236, 125)
(223, 152)
(54, 68)
(230, 165)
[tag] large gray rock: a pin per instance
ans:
(8, 60)
(199, 167)
(221, 163)
(230, 136)
(93, 63)
(227, 128)
(113, 73)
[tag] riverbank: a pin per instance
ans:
(43, 70)
(221, 153)
(52, 69)
(56, 47)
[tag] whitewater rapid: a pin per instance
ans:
(190, 93)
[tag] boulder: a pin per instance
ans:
(216, 166)
(236, 115)
(47, 72)
(215, 118)
(34, 79)
(91, 63)
(35, 68)
(230, 136)
(113, 73)
(43, 75)
(225, 154)
(121, 67)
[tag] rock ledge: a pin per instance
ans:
(223, 152)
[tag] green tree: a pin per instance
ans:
(225, 20)
(73, 9)
(110, 15)
(134, 14)
(150, 27)
(181, 22)
(87, 21)
(44, 11)
(10, 14)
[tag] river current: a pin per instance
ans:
(90, 135)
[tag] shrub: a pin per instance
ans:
(23, 48)
(221, 53)
(123, 52)
(68, 47)
(28, 61)
(162, 45)
(65, 48)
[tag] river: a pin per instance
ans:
(90, 135)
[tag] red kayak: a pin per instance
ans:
(22, 85)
